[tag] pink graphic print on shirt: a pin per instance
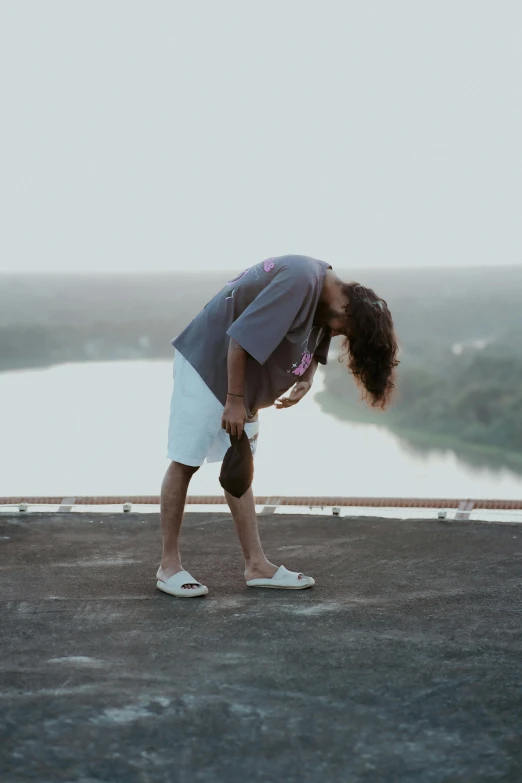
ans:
(268, 265)
(239, 277)
(306, 360)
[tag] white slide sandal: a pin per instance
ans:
(284, 580)
(174, 586)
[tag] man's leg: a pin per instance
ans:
(173, 496)
(244, 512)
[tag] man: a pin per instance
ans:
(265, 332)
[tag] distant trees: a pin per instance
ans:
(476, 398)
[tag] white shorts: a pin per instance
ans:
(195, 431)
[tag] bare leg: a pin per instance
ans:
(173, 496)
(244, 512)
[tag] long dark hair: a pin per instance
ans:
(371, 345)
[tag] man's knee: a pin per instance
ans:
(185, 470)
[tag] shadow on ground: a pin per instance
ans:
(401, 664)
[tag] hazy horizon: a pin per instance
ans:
(219, 271)
(182, 137)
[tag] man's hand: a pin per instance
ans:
(298, 392)
(234, 416)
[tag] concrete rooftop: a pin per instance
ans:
(402, 664)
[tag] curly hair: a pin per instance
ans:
(371, 344)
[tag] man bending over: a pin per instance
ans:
(264, 333)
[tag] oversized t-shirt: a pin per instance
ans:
(269, 310)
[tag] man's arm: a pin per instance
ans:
(234, 414)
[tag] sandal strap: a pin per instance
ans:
(284, 575)
(180, 579)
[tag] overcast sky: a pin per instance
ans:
(166, 135)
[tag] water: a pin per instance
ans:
(100, 429)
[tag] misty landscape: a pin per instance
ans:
(152, 152)
(459, 381)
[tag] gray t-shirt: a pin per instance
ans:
(269, 310)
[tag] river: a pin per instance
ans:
(100, 429)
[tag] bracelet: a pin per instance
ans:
(229, 394)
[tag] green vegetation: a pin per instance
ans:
(445, 426)
(53, 319)
(459, 384)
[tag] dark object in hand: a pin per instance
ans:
(237, 470)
